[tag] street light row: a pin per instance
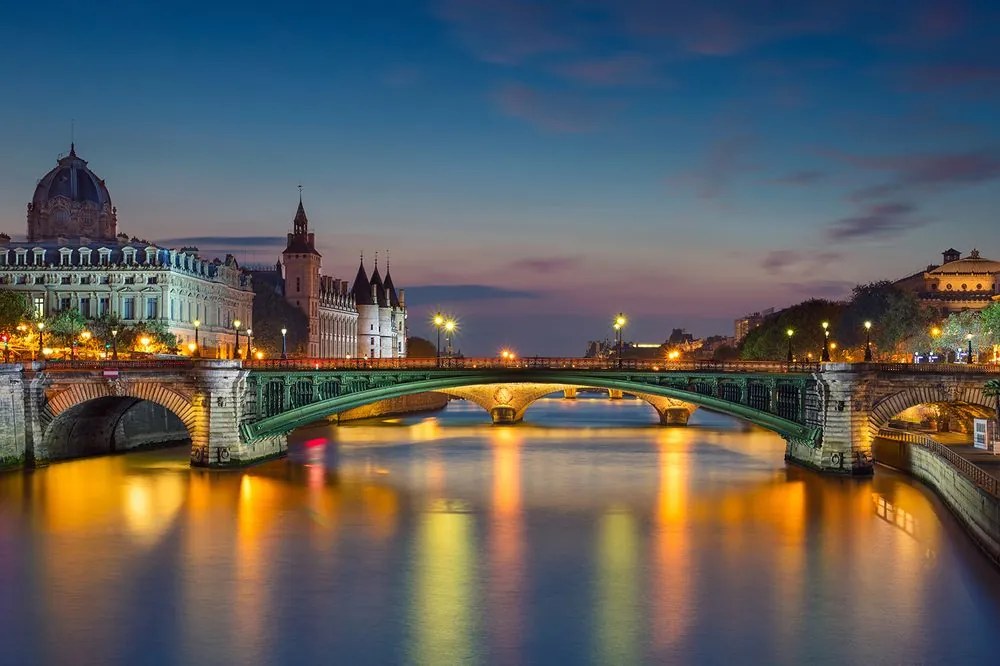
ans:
(827, 345)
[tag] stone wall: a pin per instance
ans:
(407, 404)
(13, 430)
(977, 510)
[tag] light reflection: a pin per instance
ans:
(673, 572)
(617, 604)
(507, 579)
(442, 602)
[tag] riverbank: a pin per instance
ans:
(407, 404)
(973, 504)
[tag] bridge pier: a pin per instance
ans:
(14, 431)
(615, 394)
(674, 416)
(505, 415)
(569, 393)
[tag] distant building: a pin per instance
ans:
(958, 284)
(365, 320)
(746, 323)
(75, 258)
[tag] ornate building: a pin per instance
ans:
(969, 283)
(75, 258)
(366, 321)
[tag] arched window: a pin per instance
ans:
(948, 286)
(965, 287)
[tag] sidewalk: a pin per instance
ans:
(961, 443)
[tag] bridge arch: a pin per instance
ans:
(275, 424)
(90, 418)
(893, 404)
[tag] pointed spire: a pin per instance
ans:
(376, 261)
(362, 289)
(72, 149)
(301, 222)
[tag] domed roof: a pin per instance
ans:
(73, 180)
(971, 264)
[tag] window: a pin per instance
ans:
(103, 306)
(104, 256)
(85, 306)
(105, 279)
(21, 254)
(39, 257)
(39, 304)
(85, 256)
(128, 307)
(979, 287)
(948, 287)
(152, 308)
(965, 287)
(64, 279)
(298, 284)
(65, 257)
(151, 279)
(130, 280)
(85, 279)
(22, 279)
(64, 303)
(372, 341)
(39, 279)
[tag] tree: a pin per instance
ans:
(956, 329)
(992, 390)
(769, 341)
(14, 310)
(66, 325)
(989, 318)
(727, 353)
(896, 317)
(420, 348)
(271, 313)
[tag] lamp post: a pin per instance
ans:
(236, 347)
(438, 323)
(249, 333)
(620, 322)
(826, 342)
(790, 332)
(868, 342)
(968, 338)
(284, 354)
(6, 348)
(197, 346)
(449, 328)
(114, 344)
(41, 335)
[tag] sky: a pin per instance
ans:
(533, 168)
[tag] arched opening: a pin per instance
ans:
(109, 424)
(940, 417)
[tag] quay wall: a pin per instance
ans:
(977, 510)
(407, 404)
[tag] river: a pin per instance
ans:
(587, 536)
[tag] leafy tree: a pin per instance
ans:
(14, 310)
(956, 328)
(895, 314)
(271, 313)
(727, 353)
(769, 341)
(161, 339)
(990, 323)
(66, 325)
(992, 390)
(420, 348)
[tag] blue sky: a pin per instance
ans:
(533, 167)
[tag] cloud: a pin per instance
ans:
(779, 260)
(504, 31)
(724, 161)
(552, 112)
(426, 294)
(925, 170)
(953, 75)
(626, 69)
(803, 177)
(223, 242)
(877, 221)
(545, 265)
(831, 289)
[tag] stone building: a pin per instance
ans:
(969, 283)
(367, 320)
(74, 257)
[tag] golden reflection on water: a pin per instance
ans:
(672, 529)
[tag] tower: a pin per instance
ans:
(369, 335)
(397, 305)
(381, 297)
(302, 266)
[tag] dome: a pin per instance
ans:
(971, 264)
(70, 200)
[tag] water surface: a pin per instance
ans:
(590, 535)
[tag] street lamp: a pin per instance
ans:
(284, 332)
(449, 328)
(41, 335)
(968, 338)
(236, 348)
(197, 346)
(6, 348)
(868, 342)
(790, 332)
(114, 344)
(620, 322)
(438, 323)
(826, 342)
(249, 333)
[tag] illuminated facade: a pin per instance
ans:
(367, 320)
(958, 284)
(75, 258)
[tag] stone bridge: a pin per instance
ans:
(236, 414)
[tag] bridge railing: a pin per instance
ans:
(930, 368)
(528, 363)
(966, 468)
(144, 364)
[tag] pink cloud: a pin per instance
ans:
(504, 31)
(626, 69)
(553, 112)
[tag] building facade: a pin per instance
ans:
(969, 283)
(74, 257)
(367, 320)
